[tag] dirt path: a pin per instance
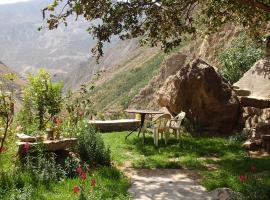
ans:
(165, 184)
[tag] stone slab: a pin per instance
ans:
(115, 125)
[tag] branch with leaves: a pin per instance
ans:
(160, 22)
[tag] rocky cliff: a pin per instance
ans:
(207, 48)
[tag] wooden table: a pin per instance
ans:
(143, 113)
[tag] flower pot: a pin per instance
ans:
(49, 134)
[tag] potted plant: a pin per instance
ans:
(49, 131)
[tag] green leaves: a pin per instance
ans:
(237, 59)
(42, 100)
(164, 21)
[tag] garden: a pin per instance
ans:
(94, 166)
(85, 171)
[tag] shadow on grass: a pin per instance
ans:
(199, 147)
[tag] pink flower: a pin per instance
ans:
(253, 168)
(83, 175)
(242, 178)
(79, 169)
(76, 189)
(26, 147)
(93, 183)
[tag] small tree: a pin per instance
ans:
(42, 100)
(6, 105)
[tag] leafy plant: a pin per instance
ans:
(77, 107)
(42, 166)
(238, 58)
(41, 101)
(7, 102)
(91, 146)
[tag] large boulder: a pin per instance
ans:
(256, 102)
(257, 80)
(199, 90)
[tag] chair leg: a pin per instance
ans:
(156, 137)
(166, 138)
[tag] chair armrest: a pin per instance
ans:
(148, 123)
(174, 120)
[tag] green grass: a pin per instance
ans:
(188, 152)
(14, 184)
(219, 161)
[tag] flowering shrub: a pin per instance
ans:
(253, 186)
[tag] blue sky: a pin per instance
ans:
(11, 1)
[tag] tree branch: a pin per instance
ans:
(255, 4)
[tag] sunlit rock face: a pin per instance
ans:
(199, 90)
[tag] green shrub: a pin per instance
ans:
(91, 146)
(43, 167)
(238, 58)
(24, 193)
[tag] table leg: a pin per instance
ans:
(139, 127)
(142, 124)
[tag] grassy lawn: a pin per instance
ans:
(220, 161)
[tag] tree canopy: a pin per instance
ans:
(163, 22)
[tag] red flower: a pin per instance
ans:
(81, 114)
(76, 189)
(83, 175)
(79, 169)
(57, 121)
(93, 183)
(2, 150)
(242, 178)
(26, 147)
(253, 168)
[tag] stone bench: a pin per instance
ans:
(49, 145)
(115, 125)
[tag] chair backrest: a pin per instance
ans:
(162, 120)
(180, 118)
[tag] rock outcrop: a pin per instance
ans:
(224, 194)
(170, 66)
(257, 80)
(200, 91)
(256, 100)
(207, 48)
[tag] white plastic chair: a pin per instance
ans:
(159, 126)
(175, 124)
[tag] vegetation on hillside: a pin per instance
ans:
(239, 57)
(117, 93)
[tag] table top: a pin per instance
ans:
(144, 111)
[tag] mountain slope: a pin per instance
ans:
(15, 85)
(25, 49)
